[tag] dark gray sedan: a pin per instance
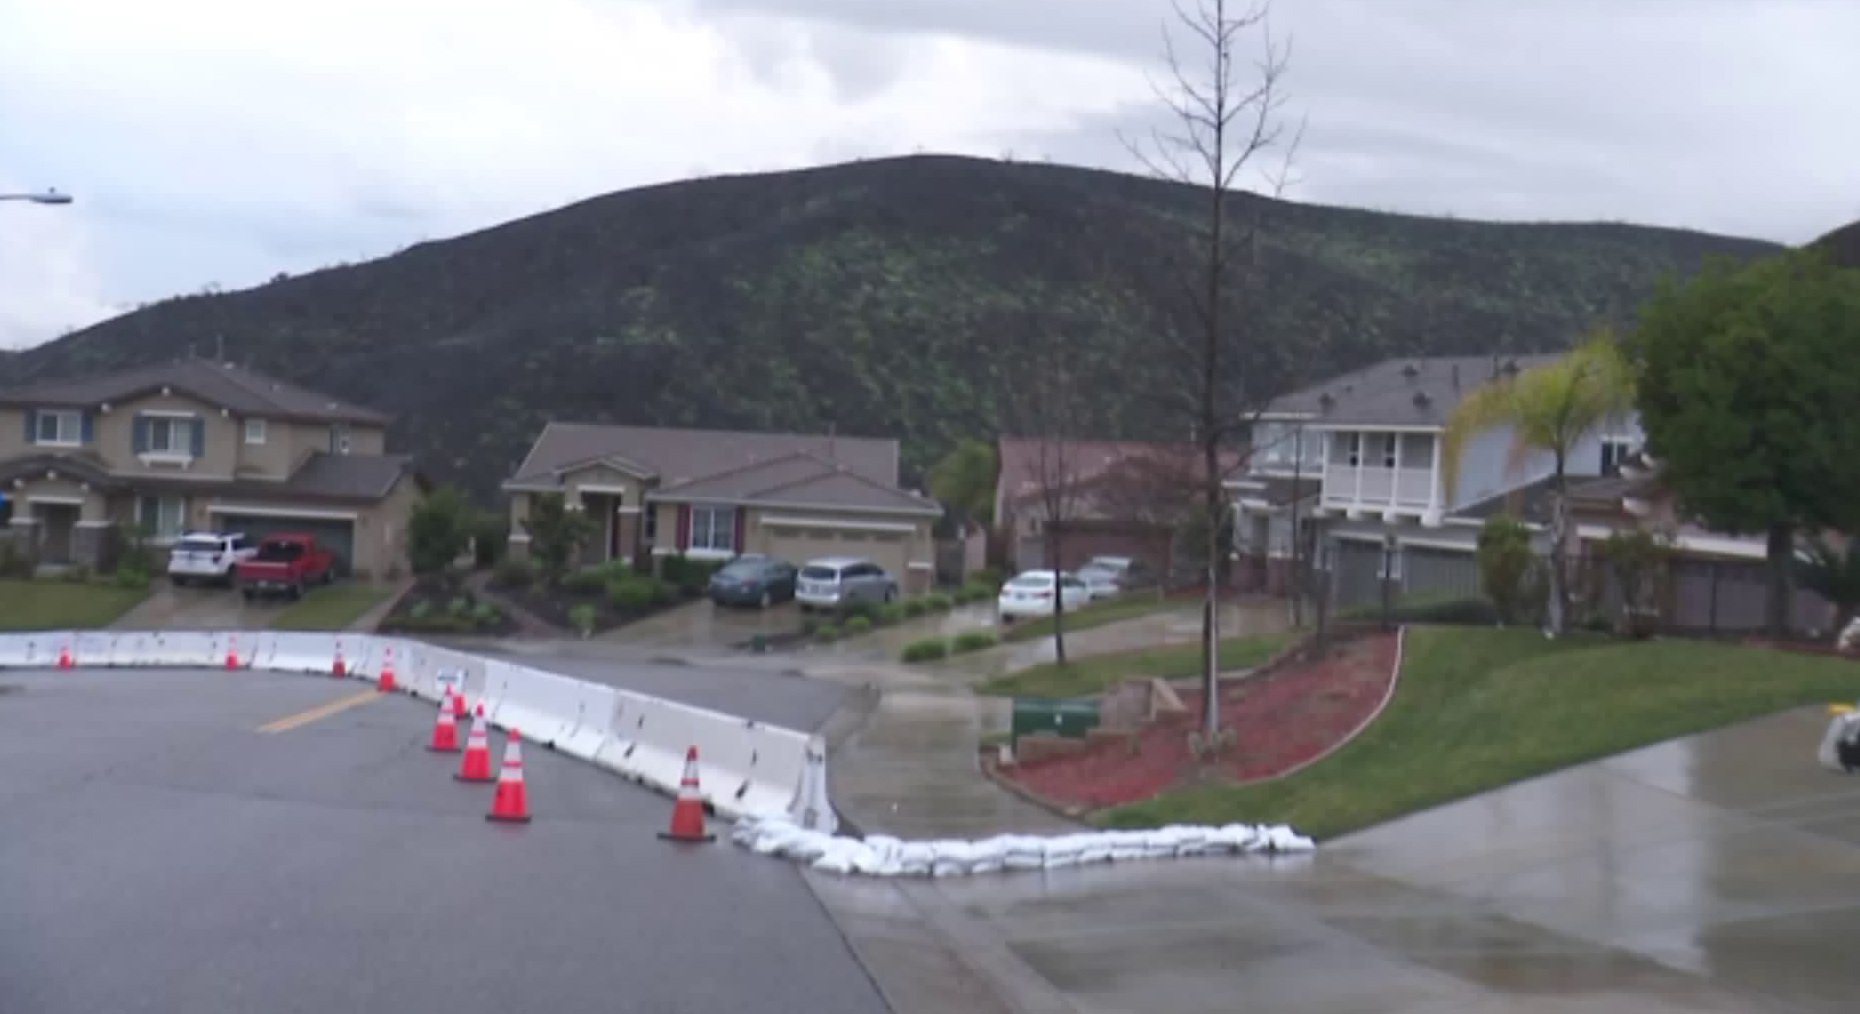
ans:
(753, 580)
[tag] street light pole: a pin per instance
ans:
(43, 197)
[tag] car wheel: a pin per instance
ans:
(891, 595)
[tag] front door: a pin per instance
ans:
(615, 551)
(56, 521)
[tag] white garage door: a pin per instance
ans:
(799, 545)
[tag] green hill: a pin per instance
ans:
(888, 297)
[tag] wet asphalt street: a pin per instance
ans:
(159, 853)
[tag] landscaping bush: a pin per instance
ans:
(938, 602)
(989, 579)
(891, 612)
(583, 617)
(860, 610)
(16, 562)
(858, 625)
(486, 613)
(915, 607)
(421, 609)
(633, 595)
(926, 650)
(460, 606)
(981, 592)
(693, 576)
(586, 581)
(826, 632)
(514, 573)
(974, 640)
(438, 530)
(490, 534)
(128, 578)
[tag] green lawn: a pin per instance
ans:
(332, 607)
(51, 604)
(1096, 615)
(1479, 708)
(1093, 673)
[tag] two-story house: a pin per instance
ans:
(195, 445)
(712, 494)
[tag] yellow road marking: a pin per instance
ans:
(289, 722)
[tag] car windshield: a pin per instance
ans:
(742, 569)
(1032, 581)
(280, 552)
(1109, 563)
(198, 544)
(820, 573)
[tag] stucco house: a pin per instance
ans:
(197, 444)
(712, 494)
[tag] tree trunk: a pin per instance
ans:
(1059, 594)
(1210, 619)
(1559, 538)
(1781, 554)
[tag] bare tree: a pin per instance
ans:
(1048, 411)
(1221, 130)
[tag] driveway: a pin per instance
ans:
(702, 624)
(1718, 873)
(200, 608)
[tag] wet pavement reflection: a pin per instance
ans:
(1713, 874)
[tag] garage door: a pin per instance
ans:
(336, 536)
(799, 545)
(1359, 573)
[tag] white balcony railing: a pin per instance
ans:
(1414, 487)
(1378, 488)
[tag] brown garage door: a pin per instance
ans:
(799, 545)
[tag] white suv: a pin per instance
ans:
(208, 557)
(838, 581)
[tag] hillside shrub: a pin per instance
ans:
(926, 650)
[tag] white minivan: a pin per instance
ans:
(208, 557)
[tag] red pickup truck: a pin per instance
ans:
(287, 562)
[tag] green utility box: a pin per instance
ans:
(1062, 716)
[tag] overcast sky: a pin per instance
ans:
(214, 141)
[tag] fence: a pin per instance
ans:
(1692, 596)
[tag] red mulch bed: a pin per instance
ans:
(1280, 721)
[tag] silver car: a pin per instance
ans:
(835, 582)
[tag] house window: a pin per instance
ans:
(1615, 450)
(713, 528)
(58, 428)
(1389, 442)
(651, 511)
(255, 431)
(163, 517)
(338, 439)
(168, 436)
(1353, 448)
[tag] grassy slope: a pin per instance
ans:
(1093, 673)
(60, 605)
(1478, 708)
(333, 607)
(873, 295)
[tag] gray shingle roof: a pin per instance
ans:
(347, 476)
(676, 456)
(1411, 391)
(222, 385)
(801, 479)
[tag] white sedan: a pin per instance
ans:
(1031, 594)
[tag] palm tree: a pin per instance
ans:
(1550, 409)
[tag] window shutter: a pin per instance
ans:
(737, 536)
(684, 526)
(32, 426)
(200, 438)
(90, 427)
(139, 434)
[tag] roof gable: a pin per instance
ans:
(677, 456)
(221, 385)
(1410, 391)
(801, 479)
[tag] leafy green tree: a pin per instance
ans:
(438, 530)
(555, 533)
(1748, 386)
(1834, 576)
(1637, 559)
(1505, 561)
(1549, 409)
(965, 480)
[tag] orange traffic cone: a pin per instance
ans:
(339, 668)
(476, 766)
(511, 805)
(232, 651)
(688, 811)
(458, 701)
(65, 661)
(445, 733)
(386, 683)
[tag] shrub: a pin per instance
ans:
(586, 581)
(915, 607)
(861, 610)
(1505, 565)
(926, 650)
(826, 632)
(486, 614)
(15, 561)
(460, 606)
(858, 625)
(937, 602)
(891, 612)
(514, 573)
(981, 592)
(974, 640)
(988, 578)
(439, 529)
(126, 577)
(421, 609)
(490, 535)
(583, 616)
(633, 596)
